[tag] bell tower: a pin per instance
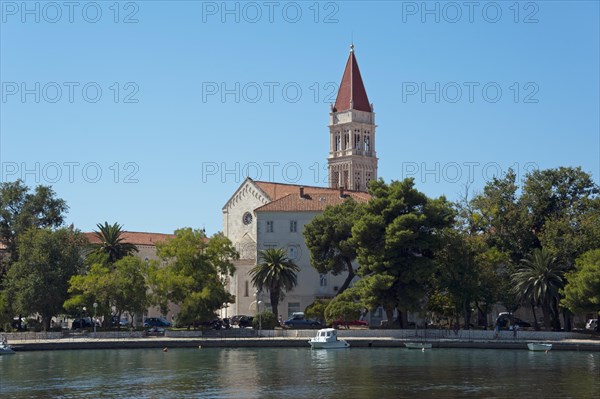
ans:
(352, 159)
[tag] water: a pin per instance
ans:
(299, 373)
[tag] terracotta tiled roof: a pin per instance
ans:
(312, 201)
(352, 93)
(136, 238)
(276, 191)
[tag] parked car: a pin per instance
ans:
(114, 321)
(357, 323)
(156, 322)
(84, 322)
(591, 324)
(506, 320)
(241, 321)
(19, 324)
(301, 322)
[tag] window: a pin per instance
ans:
(293, 226)
(323, 280)
(247, 218)
(292, 252)
(357, 141)
(246, 288)
(293, 307)
(269, 226)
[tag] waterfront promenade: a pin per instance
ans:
(359, 338)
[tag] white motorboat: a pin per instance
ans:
(326, 338)
(417, 345)
(534, 346)
(5, 349)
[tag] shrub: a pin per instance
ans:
(342, 308)
(316, 310)
(266, 320)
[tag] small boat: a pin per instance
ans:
(533, 346)
(326, 338)
(5, 349)
(417, 345)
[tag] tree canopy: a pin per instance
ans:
(539, 280)
(112, 243)
(582, 293)
(118, 287)
(397, 236)
(329, 239)
(21, 210)
(192, 273)
(275, 273)
(38, 281)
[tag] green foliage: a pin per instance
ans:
(265, 320)
(38, 281)
(111, 242)
(342, 307)
(21, 210)
(468, 274)
(6, 314)
(538, 281)
(570, 235)
(582, 292)
(375, 290)
(192, 273)
(275, 273)
(503, 219)
(558, 209)
(565, 211)
(316, 310)
(397, 237)
(457, 273)
(557, 192)
(329, 239)
(120, 286)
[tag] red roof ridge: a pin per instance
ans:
(134, 237)
(311, 202)
(306, 186)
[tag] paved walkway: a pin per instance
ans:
(72, 343)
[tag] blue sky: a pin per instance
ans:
(151, 113)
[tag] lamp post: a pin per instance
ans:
(256, 294)
(94, 321)
(259, 318)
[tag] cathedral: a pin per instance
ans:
(261, 215)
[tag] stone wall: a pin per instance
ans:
(463, 335)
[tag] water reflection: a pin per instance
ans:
(293, 373)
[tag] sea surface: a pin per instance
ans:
(300, 373)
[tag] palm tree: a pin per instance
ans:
(538, 281)
(274, 273)
(111, 242)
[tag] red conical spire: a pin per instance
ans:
(352, 93)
